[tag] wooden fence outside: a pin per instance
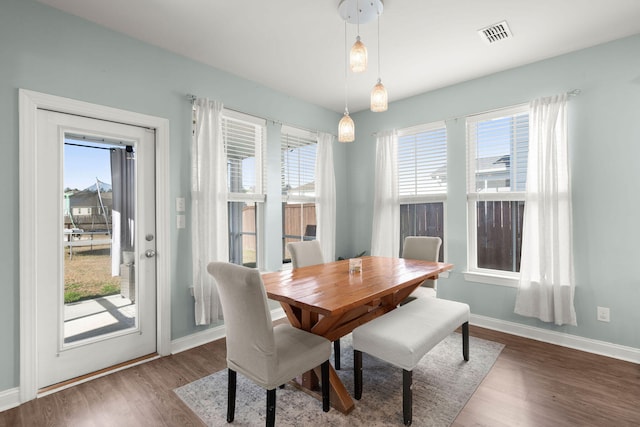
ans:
(499, 230)
(298, 221)
(499, 234)
(249, 228)
(422, 219)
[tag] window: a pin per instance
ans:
(244, 138)
(497, 150)
(243, 236)
(422, 181)
(298, 160)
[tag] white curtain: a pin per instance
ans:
(326, 197)
(210, 234)
(385, 238)
(546, 272)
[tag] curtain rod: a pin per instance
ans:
(90, 146)
(571, 93)
(192, 98)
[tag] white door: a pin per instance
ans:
(88, 335)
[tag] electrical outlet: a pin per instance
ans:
(603, 314)
(180, 205)
(180, 221)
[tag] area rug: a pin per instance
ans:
(442, 384)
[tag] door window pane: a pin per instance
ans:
(98, 216)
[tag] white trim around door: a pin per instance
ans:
(29, 103)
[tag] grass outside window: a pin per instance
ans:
(87, 274)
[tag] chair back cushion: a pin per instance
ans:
(305, 253)
(425, 248)
(251, 346)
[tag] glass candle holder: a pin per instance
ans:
(355, 265)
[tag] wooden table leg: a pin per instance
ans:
(309, 380)
(340, 398)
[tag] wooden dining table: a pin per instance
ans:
(328, 300)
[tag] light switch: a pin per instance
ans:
(180, 207)
(180, 221)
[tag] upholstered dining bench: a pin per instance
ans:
(403, 336)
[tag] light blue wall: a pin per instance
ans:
(604, 137)
(48, 51)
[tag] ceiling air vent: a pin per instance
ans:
(495, 33)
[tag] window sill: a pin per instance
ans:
(491, 279)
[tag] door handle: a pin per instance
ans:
(150, 253)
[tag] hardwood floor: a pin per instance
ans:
(538, 384)
(531, 384)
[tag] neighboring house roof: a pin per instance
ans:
(305, 189)
(86, 198)
(493, 163)
(89, 196)
(485, 165)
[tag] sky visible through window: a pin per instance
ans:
(82, 165)
(498, 133)
(249, 173)
(502, 146)
(299, 166)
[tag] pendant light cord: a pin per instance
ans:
(346, 86)
(378, 46)
(358, 16)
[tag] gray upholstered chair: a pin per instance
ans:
(308, 253)
(426, 248)
(270, 356)
(305, 253)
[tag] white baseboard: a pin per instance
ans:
(629, 354)
(9, 399)
(209, 335)
(196, 339)
(603, 348)
(277, 314)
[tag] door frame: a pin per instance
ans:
(29, 103)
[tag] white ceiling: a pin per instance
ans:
(297, 46)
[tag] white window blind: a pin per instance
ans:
(244, 138)
(498, 146)
(298, 159)
(422, 160)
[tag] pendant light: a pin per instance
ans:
(358, 56)
(379, 98)
(346, 127)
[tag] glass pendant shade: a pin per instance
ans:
(358, 57)
(346, 129)
(379, 100)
